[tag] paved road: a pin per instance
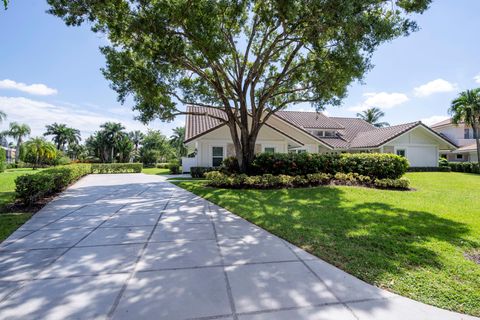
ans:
(137, 247)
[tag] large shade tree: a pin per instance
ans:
(248, 58)
(466, 108)
(373, 116)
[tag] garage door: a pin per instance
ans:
(422, 156)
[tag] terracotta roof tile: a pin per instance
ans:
(353, 133)
(379, 136)
(312, 120)
(197, 125)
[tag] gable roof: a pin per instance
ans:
(353, 133)
(198, 125)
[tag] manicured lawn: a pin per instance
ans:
(413, 243)
(155, 171)
(10, 221)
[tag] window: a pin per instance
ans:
(401, 152)
(329, 134)
(217, 156)
(459, 156)
(269, 150)
(466, 134)
(301, 151)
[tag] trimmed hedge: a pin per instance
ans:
(469, 167)
(33, 187)
(103, 168)
(3, 160)
(374, 165)
(269, 181)
(199, 172)
(429, 169)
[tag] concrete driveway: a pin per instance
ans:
(136, 247)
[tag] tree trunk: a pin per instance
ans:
(477, 139)
(17, 152)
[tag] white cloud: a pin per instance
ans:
(37, 114)
(433, 119)
(477, 78)
(434, 86)
(36, 88)
(383, 100)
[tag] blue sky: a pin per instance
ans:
(414, 78)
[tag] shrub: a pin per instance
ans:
(442, 162)
(374, 165)
(103, 168)
(199, 172)
(468, 167)
(402, 183)
(230, 165)
(174, 168)
(33, 187)
(269, 181)
(163, 165)
(3, 160)
(429, 169)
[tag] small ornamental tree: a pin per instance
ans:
(248, 58)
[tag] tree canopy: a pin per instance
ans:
(373, 116)
(466, 108)
(248, 58)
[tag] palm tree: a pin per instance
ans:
(466, 108)
(176, 140)
(373, 116)
(18, 131)
(114, 133)
(136, 137)
(62, 135)
(39, 150)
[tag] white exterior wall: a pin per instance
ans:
(267, 138)
(456, 134)
(421, 147)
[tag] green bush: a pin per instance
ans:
(402, 183)
(468, 167)
(163, 165)
(442, 162)
(174, 168)
(117, 168)
(230, 165)
(3, 160)
(429, 169)
(33, 187)
(374, 165)
(199, 172)
(269, 181)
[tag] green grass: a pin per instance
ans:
(185, 179)
(412, 243)
(10, 221)
(156, 171)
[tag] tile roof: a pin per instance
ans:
(441, 123)
(353, 133)
(197, 125)
(379, 136)
(313, 120)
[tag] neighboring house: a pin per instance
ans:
(10, 152)
(462, 136)
(294, 131)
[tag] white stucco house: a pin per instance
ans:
(293, 131)
(462, 136)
